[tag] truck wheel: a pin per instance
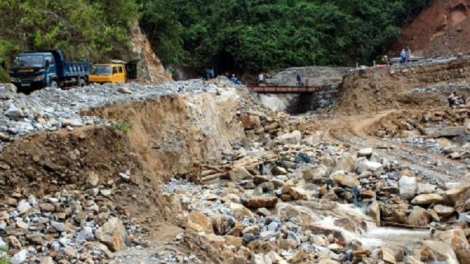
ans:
(81, 83)
(54, 85)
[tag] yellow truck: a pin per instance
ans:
(108, 73)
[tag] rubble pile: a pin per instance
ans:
(300, 200)
(276, 195)
(52, 109)
(68, 226)
(444, 131)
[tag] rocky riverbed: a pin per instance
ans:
(278, 194)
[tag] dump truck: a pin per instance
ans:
(34, 70)
(108, 73)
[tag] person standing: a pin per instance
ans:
(403, 56)
(408, 55)
(261, 78)
(299, 79)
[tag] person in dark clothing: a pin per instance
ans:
(299, 79)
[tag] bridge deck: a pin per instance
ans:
(285, 89)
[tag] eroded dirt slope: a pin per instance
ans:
(442, 29)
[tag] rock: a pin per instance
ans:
(10, 87)
(450, 131)
(387, 256)
(240, 173)
(407, 187)
(345, 180)
(347, 163)
(374, 211)
(315, 174)
(47, 207)
(366, 152)
(293, 138)
(425, 188)
(92, 179)
(457, 196)
(113, 234)
(250, 121)
(427, 199)
(444, 211)
(366, 165)
(200, 223)
(257, 259)
(258, 179)
(70, 252)
(239, 211)
(124, 90)
(298, 193)
(5, 137)
(432, 251)
(60, 227)
(299, 256)
(47, 260)
(418, 217)
(86, 234)
(457, 240)
(444, 143)
(14, 112)
(276, 170)
(395, 213)
(20, 257)
(256, 202)
(328, 261)
(23, 207)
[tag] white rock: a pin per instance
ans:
(407, 187)
(293, 138)
(366, 152)
(366, 165)
(23, 207)
(19, 257)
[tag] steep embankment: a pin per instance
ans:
(392, 88)
(442, 29)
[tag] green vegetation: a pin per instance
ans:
(250, 35)
(83, 29)
(3, 256)
(120, 126)
(246, 35)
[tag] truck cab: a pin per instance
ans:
(108, 73)
(38, 69)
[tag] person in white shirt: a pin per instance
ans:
(260, 78)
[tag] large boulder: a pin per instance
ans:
(457, 240)
(347, 162)
(113, 234)
(427, 199)
(293, 138)
(435, 251)
(443, 211)
(365, 165)
(457, 196)
(250, 121)
(345, 180)
(418, 217)
(200, 223)
(240, 173)
(407, 187)
(256, 202)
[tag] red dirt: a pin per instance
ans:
(443, 29)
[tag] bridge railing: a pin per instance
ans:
(285, 89)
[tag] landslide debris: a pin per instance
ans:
(171, 174)
(426, 84)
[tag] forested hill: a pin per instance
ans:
(83, 29)
(250, 35)
(245, 35)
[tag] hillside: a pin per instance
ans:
(442, 29)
